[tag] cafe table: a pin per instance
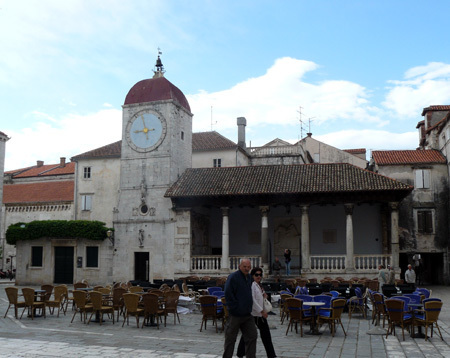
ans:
(414, 307)
(314, 329)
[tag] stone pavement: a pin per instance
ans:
(57, 337)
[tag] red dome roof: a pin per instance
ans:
(156, 89)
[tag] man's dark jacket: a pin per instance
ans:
(238, 294)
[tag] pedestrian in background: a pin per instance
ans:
(287, 260)
(276, 269)
(410, 275)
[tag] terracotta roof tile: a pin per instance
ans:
(44, 170)
(281, 179)
(210, 141)
(435, 108)
(398, 157)
(38, 192)
(112, 150)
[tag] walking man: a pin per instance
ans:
(238, 295)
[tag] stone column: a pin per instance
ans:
(394, 235)
(225, 265)
(305, 264)
(349, 262)
(264, 240)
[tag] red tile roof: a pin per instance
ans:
(302, 179)
(112, 150)
(210, 141)
(156, 89)
(38, 192)
(399, 157)
(44, 170)
(435, 108)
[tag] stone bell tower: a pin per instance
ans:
(152, 240)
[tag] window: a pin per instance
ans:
(36, 256)
(92, 256)
(182, 135)
(87, 172)
(422, 179)
(217, 163)
(425, 221)
(86, 202)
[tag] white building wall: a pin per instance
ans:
(229, 158)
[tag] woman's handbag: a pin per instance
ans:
(267, 306)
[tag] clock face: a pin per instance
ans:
(146, 131)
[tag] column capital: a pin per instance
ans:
(393, 205)
(305, 209)
(264, 209)
(348, 209)
(225, 210)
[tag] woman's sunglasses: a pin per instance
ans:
(257, 274)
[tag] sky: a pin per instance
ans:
(356, 74)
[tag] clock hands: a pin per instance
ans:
(145, 130)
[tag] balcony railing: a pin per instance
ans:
(337, 262)
(213, 263)
(275, 151)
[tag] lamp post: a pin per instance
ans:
(110, 235)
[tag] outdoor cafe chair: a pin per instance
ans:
(429, 316)
(424, 291)
(57, 302)
(78, 285)
(131, 302)
(135, 289)
(171, 306)
(284, 312)
(211, 290)
(225, 315)
(208, 305)
(31, 303)
(325, 299)
(98, 308)
(13, 297)
(117, 300)
(357, 302)
(297, 314)
(397, 316)
(379, 308)
(81, 305)
(48, 291)
(332, 315)
(414, 297)
(150, 303)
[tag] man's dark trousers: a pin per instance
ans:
(247, 325)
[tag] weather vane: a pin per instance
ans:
(159, 68)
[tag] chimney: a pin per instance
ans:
(40, 163)
(241, 122)
(62, 162)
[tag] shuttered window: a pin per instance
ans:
(425, 221)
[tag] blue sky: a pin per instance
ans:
(363, 70)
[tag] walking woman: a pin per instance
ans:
(259, 315)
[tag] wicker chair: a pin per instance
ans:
(135, 289)
(379, 308)
(30, 303)
(58, 300)
(429, 317)
(284, 312)
(170, 306)
(98, 308)
(332, 315)
(131, 301)
(208, 305)
(81, 305)
(117, 300)
(357, 302)
(48, 291)
(78, 285)
(13, 297)
(297, 314)
(151, 308)
(397, 316)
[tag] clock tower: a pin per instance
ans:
(151, 240)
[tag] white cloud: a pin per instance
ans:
(275, 97)
(370, 139)
(49, 139)
(423, 86)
